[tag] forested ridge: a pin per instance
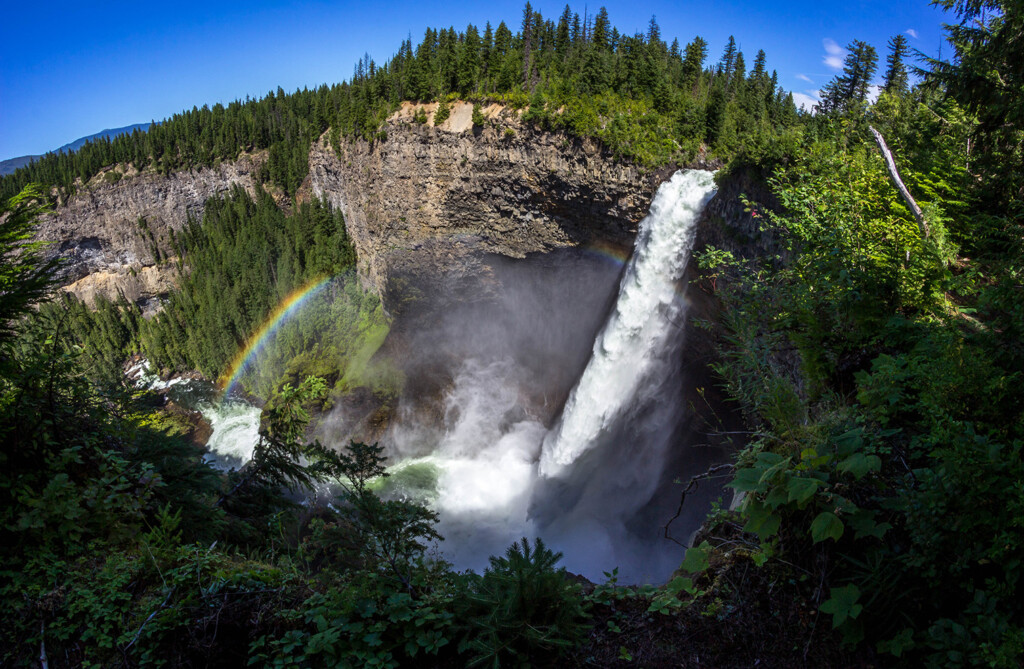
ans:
(647, 99)
(876, 355)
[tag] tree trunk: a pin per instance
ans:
(895, 176)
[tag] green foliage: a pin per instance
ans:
(479, 120)
(442, 113)
(24, 276)
(521, 607)
(981, 77)
(243, 260)
(879, 374)
(281, 458)
(394, 533)
(361, 622)
(848, 92)
(107, 333)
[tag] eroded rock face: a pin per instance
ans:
(105, 248)
(428, 200)
(422, 206)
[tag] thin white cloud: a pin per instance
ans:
(806, 101)
(804, 77)
(834, 54)
(912, 32)
(873, 92)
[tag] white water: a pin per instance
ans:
(495, 474)
(234, 421)
(629, 349)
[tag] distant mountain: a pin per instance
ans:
(11, 164)
(8, 166)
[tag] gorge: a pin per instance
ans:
(501, 343)
(541, 344)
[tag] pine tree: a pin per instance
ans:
(527, 45)
(850, 88)
(562, 37)
(739, 75)
(601, 26)
(693, 64)
(728, 62)
(896, 71)
(653, 31)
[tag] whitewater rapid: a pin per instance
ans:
(235, 423)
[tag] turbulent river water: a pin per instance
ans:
(235, 422)
(495, 474)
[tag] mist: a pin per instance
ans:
(544, 397)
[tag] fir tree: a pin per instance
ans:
(850, 89)
(693, 64)
(896, 71)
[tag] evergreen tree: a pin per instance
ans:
(896, 71)
(728, 62)
(562, 38)
(527, 33)
(600, 35)
(693, 64)
(850, 89)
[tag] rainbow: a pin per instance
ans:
(608, 253)
(286, 308)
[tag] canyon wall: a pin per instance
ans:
(428, 199)
(423, 204)
(113, 235)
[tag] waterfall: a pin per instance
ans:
(595, 486)
(627, 364)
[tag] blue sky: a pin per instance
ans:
(69, 70)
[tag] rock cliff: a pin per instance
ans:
(422, 204)
(429, 199)
(112, 234)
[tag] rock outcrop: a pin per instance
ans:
(111, 236)
(429, 199)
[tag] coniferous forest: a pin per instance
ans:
(649, 101)
(876, 354)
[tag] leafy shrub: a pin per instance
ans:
(521, 608)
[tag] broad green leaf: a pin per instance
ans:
(826, 526)
(769, 458)
(746, 480)
(850, 441)
(859, 465)
(842, 604)
(779, 466)
(680, 584)
(898, 644)
(864, 524)
(696, 559)
(801, 489)
(776, 497)
(761, 521)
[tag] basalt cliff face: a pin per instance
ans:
(422, 204)
(112, 236)
(430, 199)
